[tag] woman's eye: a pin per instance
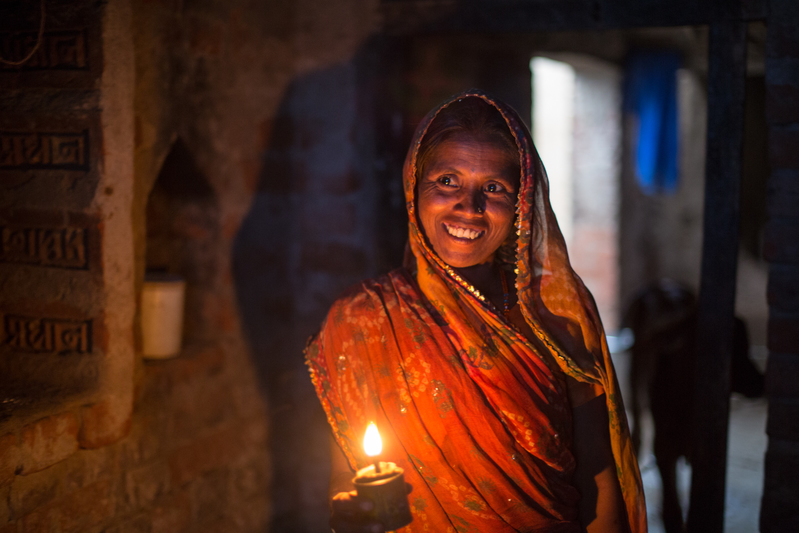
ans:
(445, 180)
(494, 187)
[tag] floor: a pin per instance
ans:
(746, 451)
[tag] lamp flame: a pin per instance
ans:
(372, 444)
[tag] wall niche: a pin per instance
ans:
(183, 233)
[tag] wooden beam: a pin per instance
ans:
(433, 16)
(726, 81)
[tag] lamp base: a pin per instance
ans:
(388, 494)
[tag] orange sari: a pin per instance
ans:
(472, 410)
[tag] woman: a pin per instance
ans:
(501, 405)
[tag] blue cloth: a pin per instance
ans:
(650, 94)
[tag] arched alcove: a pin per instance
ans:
(183, 234)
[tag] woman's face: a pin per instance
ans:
(466, 199)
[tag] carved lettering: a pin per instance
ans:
(50, 247)
(16, 243)
(71, 337)
(47, 335)
(14, 331)
(59, 50)
(67, 150)
(39, 150)
(35, 150)
(74, 246)
(7, 156)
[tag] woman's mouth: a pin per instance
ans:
(463, 233)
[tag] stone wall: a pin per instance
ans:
(780, 507)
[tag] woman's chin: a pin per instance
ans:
(462, 253)
(465, 261)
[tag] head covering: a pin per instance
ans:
(554, 300)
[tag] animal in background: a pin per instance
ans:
(663, 318)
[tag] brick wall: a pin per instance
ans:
(193, 460)
(67, 353)
(263, 99)
(594, 250)
(192, 455)
(780, 506)
(65, 253)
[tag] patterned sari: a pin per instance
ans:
(474, 412)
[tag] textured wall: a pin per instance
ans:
(67, 301)
(234, 109)
(192, 453)
(780, 507)
(597, 167)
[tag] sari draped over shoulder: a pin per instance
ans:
(474, 412)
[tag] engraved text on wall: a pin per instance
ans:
(46, 335)
(59, 247)
(32, 150)
(59, 50)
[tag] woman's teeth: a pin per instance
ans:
(462, 233)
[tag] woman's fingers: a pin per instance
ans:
(350, 514)
(350, 503)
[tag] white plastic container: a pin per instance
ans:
(162, 302)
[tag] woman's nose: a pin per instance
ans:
(472, 201)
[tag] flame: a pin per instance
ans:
(372, 444)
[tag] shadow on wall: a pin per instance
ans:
(265, 276)
(328, 212)
(309, 234)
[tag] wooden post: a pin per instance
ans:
(726, 79)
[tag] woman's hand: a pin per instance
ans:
(350, 514)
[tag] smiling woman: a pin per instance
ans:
(468, 176)
(466, 199)
(502, 421)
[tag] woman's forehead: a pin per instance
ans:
(466, 149)
(470, 150)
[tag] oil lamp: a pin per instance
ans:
(383, 483)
